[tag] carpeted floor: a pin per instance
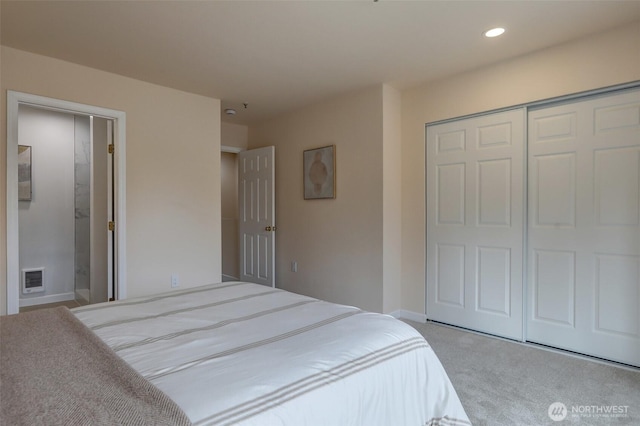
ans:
(69, 304)
(507, 383)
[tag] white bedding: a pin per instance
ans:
(243, 354)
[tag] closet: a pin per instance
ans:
(533, 224)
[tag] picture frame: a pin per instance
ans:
(319, 173)
(24, 173)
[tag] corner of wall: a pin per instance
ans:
(403, 314)
(234, 135)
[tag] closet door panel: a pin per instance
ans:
(493, 275)
(583, 251)
(451, 194)
(450, 275)
(553, 278)
(494, 193)
(555, 190)
(616, 294)
(475, 214)
(617, 188)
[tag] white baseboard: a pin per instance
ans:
(409, 315)
(83, 295)
(226, 278)
(41, 300)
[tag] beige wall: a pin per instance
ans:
(337, 243)
(234, 135)
(173, 167)
(392, 198)
(345, 246)
(593, 62)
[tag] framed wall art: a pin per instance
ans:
(319, 167)
(24, 173)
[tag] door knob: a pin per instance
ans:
(268, 229)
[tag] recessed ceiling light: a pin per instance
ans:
(494, 32)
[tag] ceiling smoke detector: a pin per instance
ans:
(230, 111)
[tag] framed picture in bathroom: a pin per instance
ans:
(24, 173)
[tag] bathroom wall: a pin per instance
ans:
(47, 222)
(82, 171)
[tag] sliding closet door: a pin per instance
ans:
(584, 234)
(475, 197)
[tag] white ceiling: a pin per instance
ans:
(280, 55)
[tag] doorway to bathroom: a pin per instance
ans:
(65, 203)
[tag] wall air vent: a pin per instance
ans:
(32, 280)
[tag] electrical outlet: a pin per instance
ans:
(294, 266)
(175, 281)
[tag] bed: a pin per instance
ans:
(237, 353)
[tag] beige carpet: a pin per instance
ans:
(507, 383)
(69, 304)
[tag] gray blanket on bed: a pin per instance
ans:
(55, 371)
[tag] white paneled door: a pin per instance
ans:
(584, 227)
(475, 209)
(256, 206)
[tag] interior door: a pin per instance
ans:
(584, 234)
(111, 246)
(101, 203)
(475, 198)
(256, 224)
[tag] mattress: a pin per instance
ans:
(237, 353)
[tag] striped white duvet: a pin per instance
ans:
(244, 354)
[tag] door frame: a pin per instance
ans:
(14, 100)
